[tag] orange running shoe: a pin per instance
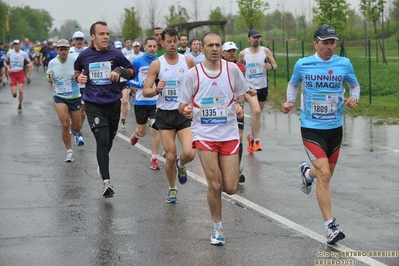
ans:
(250, 147)
(256, 145)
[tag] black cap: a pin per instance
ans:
(254, 33)
(325, 32)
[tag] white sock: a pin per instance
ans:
(326, 223)
(69, 151)
(217, 225)
(307, 175)
(173, 188)
(153, 156)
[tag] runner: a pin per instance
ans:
(195, 52)
(229, 53)
(144, 107)
(78, 39)
(170, 69)
(212, 95)
(100, 67)
(157, 35)
(183, 48)
(14, 64)
(257, 60)
(67, 97)
(322, 77)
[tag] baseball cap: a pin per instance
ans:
(325, 32)
(63, 43)
(15, 42)
(118, 44)
(254, 33)
(136, 44)
(229, 46)
(78, 34)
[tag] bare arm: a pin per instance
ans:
(153, 72)
(241, 57)
(270, 59)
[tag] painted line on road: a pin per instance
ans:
(249, 204)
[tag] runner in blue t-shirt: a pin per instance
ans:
(322, 78)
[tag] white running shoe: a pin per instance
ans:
(69, 157)
(306, 185)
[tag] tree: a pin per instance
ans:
(332, 12)
(174, 18)
(216, 15)
(68, 28)
(4, 22)
(131, 27)
(153, 11)
(371, 10)
(26, 22)
(251, 13)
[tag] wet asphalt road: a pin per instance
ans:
(52, 212)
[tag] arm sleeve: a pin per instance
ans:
(293, 84)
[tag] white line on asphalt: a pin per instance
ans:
(299, 228)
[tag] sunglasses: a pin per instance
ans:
(62, 49)
(79, 39)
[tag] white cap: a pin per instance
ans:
(118, 44)
(44, 42)
(16, 41)
(229, 46)
(136, 43)
(78, 34)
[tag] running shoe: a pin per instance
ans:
(108, 190)
(241, 176)
(256, 145)
(333, 234)
(181, 172)
(69, 157)
(164, 154)
(172, 196)
(250, 147)
(19, 108)
(123, 124)
(134, 139)
(80, 140)
(217, 237)
(306, 185)
(154, 164)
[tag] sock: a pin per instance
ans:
(240, 153)
(137, 136)
(179, 163)
(252, 137)
(70, 150)
(326, 223)
(307, 175)
(173, 188)
(153, 156)
(106, 180)
(123, 120)
(256, 139)
(217, 225)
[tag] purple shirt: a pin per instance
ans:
(105, 93)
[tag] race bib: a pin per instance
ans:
(63, 88)
(100, 72)
(255, 70)
(213, 110)
(324, 106)
(171, 90)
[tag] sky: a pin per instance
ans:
(87, 12)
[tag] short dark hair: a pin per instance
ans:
(206, 34)
(193, 40)
(126, 39)
(156, 28)
(182, 35)
(148, 39)
(169, 31)
(93, 27)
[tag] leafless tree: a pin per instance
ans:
(154, 17)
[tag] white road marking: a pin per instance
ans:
(249, 204)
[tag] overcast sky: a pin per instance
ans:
(87, 12)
